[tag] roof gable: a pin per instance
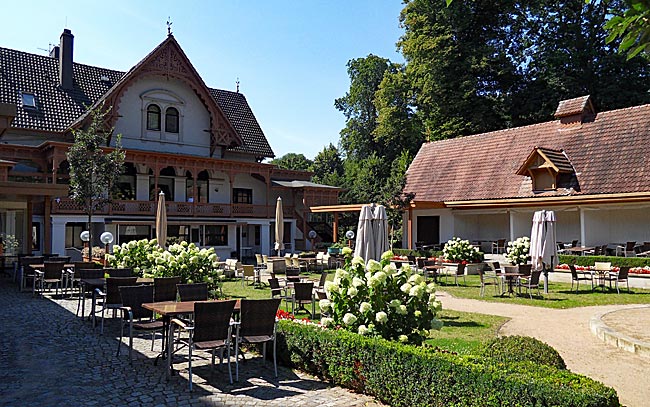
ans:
(546, 158)
(168, 59)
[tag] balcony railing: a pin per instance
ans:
(67, 206)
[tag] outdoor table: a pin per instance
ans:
(510, 278)
(579, 250)
(435, 268)
(168, 310)
(600, 277)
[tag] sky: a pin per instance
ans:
(290, 56)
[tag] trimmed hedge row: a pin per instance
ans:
(403, 375)
(615, 260)
(417, 253)
(517, 348)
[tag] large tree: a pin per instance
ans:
(328, 166)
(94, 168)
(293, 161)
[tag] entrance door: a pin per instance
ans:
(428, 230)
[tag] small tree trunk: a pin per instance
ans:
(90, 232)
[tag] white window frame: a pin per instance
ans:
(164, 99)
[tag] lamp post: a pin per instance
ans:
(106, 238)
(85, 237)
(349, 235)
(312, 235)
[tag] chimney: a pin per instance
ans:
(574, 112)
(65, 59)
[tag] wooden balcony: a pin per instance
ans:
(189, 209)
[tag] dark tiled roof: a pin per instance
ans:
(572, 106)
(609, 154)
(58, 108)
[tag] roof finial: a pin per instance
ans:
(169, 26)
(237, 84)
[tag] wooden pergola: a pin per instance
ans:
(335, 210)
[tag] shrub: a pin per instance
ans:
(406, 375)
(148, 259)
(522, 348)
(518, 250)
(418, 253)
(376, 299)
(457, 250)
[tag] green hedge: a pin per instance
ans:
(417, 253)
(403, 375)
(616, 261)
(522, 348)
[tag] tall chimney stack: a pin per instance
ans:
(65, 59)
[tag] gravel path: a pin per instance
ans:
(567, 330)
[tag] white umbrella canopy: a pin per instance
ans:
(549, 253)
(380, 231)
(161, 220)
(279, 226)
(365, 244)
(537, 240)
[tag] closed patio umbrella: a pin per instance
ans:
(161, 220)
(537, 240)
(279, 227)
(380, 224)
(543, 244)
(365, 244)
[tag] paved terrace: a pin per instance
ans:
(49, 357)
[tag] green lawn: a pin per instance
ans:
(559, 296)
(463, 332)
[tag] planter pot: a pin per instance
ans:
(333, 250)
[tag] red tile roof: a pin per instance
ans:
(610, 155)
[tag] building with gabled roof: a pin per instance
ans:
(202, 147)
(592, 168)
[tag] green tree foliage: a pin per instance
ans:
(293, 161)
(94, 169)
(632, 26)
(328, 167)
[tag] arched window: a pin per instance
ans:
(153, 117)
(171, 120)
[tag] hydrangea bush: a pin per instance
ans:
(519, 250)
(457, 250)
(183, 259)
(376, 299)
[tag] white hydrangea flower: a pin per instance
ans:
(417, 291)
(403, 338)
(357, 282)
(358, 261)
(416, 279)
(363, 330)
(349, 319)
(395, 303)
(365, 307)
(381, 317)
(352, 291)
(417, 313)
(346, 251)
(324, 304)
(381, 276)
(401, 309)
(327, 321)
(373, 266)
(406, 288)
(330, 287)
(387, 255)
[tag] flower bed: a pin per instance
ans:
(405, 375)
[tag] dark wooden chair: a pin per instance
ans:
(52, 275)
(489, 279)
(257, 325)
(622, 275)
(164, 288)
(137, 317)
(83, 274)
(211, 330)
(577, 278)
(111, 299)
(193, 292)
(303, 293)
(531, 283)
(460, 271)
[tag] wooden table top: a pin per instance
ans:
(97, 282)
(173, 308)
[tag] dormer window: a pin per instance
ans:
(171, 120)
(549, 170)
(153, 117)
(29, 100)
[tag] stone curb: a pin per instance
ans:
(611, 337)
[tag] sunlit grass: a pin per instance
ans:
(560, 295)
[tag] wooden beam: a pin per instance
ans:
(335, 227)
